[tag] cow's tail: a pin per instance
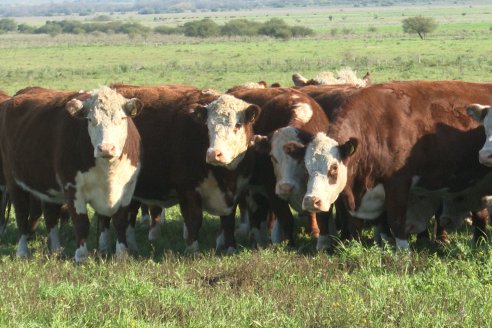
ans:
(5, 208)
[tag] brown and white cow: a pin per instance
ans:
(410, 137)
(481, 114)
(175, 138)
(78, 148)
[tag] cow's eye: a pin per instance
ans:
(237, 127)
(333, 173)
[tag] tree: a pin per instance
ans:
(420, 25)
(7, 25)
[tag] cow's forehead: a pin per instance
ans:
(227, 105)
(283, 136)
(321, 151)
(106, 100)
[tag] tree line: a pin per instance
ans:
(203, 28)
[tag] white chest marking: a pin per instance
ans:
(213, 198)
(106, 186)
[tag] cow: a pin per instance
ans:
(396, 139)
(74, 148)
(180, 162)
(252, 85)
(344, 76)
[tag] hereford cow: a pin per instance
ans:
(405, 138)
(71, 147)
(343, 76)
(180, 162)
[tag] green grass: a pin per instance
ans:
(356, 285)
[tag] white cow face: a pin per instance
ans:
(290, 172)
(481, 114)
(106, 112)
(325, 162)
(230, 129)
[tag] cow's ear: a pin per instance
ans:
(477, 111)
(75, 108)
(262, 144)
(275, 85)
(294, 149)
(348, 149)
(299, 80)
(251, 113)
(133, 107)
(199, 114)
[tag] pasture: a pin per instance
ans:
(355, 285)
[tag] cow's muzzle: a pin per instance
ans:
(215, 157)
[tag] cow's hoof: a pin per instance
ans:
(231, 250)
(22, 249)
(104, 241)
(402, 244)
(220, 242)
(121, 251)
(81, 254)
(55, 246)
(193, 248)
(255, 237)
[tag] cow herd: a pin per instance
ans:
(396, 154)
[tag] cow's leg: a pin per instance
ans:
(35, 211)
(227, 223)
(51, 214)
(244, 215)
(479, 219)
(396, 205)
(191, 209)
(120, 224)
(258, 209)
(104, 243)
(313, 227)
(284, 216)
(132, 219)
(20, 200)
(325, 235)
(145, 214)
(440, 233)
(157, 214)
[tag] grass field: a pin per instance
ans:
(355, 286)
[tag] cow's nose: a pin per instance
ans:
(312, 203)
(214, 156)
(285, 188)
(106, 150)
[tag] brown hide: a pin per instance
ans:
(174, 149)
(407, 129)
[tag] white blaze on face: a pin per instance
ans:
(107, 124)
(327, 174)
(481, 114)
(289, 172)
(226, 120)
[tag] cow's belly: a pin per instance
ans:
(105, 188)
(214, 200)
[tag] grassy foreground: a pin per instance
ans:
(355, 286)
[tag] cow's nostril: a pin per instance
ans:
(219, 155)
(317, 202)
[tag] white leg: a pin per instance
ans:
(193, 248)
(231, 250)
(402, 244)
(255, 237)
(276, 235)
(264, 233)
(81, 254)
(104, 241)
(155, 232)
(130, 239)
(54, 238)
(220, 242)
(121, 251)
(22, 250)
(145, 219)
(377, 234)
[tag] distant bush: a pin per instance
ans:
(167, 30)
(203, 28)
(372, 29)
(7, 25)
(25, 29)
(277, 28)
(240, 27)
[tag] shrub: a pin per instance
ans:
(7, 25)
(240, 27)
(167, 30)
(420, 25)
(203, 28)
(26, 29)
